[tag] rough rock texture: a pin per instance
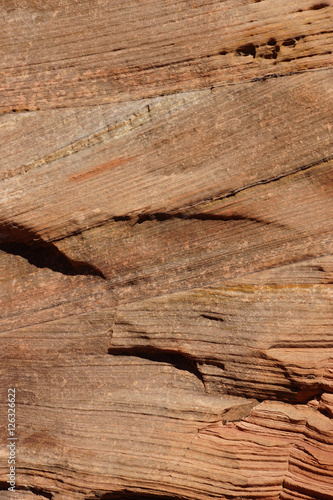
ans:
(166, 249)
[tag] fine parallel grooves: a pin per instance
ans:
(98, 137)
(268, 180)
(167, 93)
(183, 212)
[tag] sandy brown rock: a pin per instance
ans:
(259, 341)
(200, 141)
(166, 251)
(277, 448)
(262, 227)
(72, 54)
(76, 402)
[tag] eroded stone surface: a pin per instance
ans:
(166, 249)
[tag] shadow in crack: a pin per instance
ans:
(16, 240)
(176, 359)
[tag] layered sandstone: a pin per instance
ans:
(166, 252)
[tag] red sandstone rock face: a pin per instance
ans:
(166, 255)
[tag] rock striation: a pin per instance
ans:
(166, 249)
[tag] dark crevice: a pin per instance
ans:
(271, 179)
(17, 110)
(159, 216)
(269, 76)
(289, 42)
(325, 413)
(320, 5)
(152, 353)
(211, 317)
(272, 55)
(48, 256)
(25, 110)
(225, 218)
(120, 218)
(247, 50)
(275, 49)
(303, 396)
(40, 492)
(325, 32)
(36, 491)
(271, 41)
(17, 240)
